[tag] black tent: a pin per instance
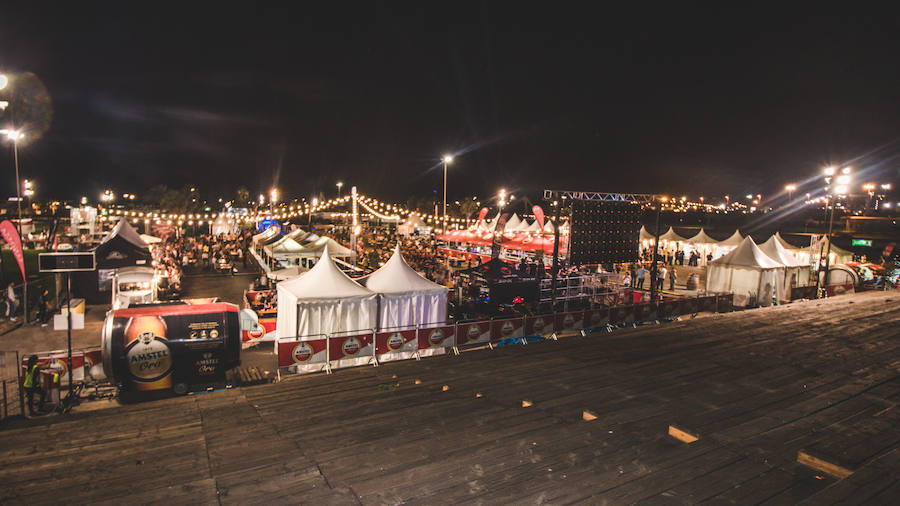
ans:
(122, 247)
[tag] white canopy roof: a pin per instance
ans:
(785, 244)
(267, 234)
(125, 231)
(747, 255)
(334, 248)
(283, 246)
(646, 236)
(512, 223)
(323, 281)
(396, 276)
(149, 239)
(671, 236)
(701, 238)
(415, 220)
(735, 240)
(523, 226)
(774, 250)
(548, 227)
(534, 228)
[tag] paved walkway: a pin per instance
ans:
(756, 387)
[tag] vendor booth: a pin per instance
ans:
(121, 247)
(702, 243)
(748, 273)
(407, 299)
(796, 273)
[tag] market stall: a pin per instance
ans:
(407, 299)
(796, 273)
(748, 273)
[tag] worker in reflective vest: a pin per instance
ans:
(33, 383)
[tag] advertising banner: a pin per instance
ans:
(436, 337)
(690, 306)
(93, 364)
(540, 325)
(566, 322)
(350, 347)
(301, 352)
(621, 315)
(11, 236)
(832, 290)
(59, 361)
(669, 308)
(473, 333)
(395, 343)
(507, 329)
(725, 303)
(644, 312)
(596, 318)
(708, 304)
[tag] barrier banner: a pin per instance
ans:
(345, 347)
(725, 303)
(803, 292)
(644, 312)
(472, 333)
(436, 337)
(563, 322)
(708, 304)
(832, 290)
(596, 318)
(540, 325)
(60, 362)
(395, 342)
(621, 314)
(301, 352)
(669, 308)
(690, 306)
(505, 329)
(93, 364)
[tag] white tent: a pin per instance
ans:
(411, 225)
(512, 223)
(732, 242)
(335, 249)
(224, 226)
(266, 236)
(407, 299)
(796, 273)
(534, 228)
(671, 236)
(149, 239)
(548, 227)
(837, 255)
(523, 226)
(701, 239)
(324, 300)
(748, 273)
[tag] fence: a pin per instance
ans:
(326, 352)
(11, 392)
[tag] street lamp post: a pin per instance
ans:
(790, 189)
(447, 159)
(841, 188)
(339, 184)
(14, 136)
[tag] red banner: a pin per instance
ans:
(505, 329)
(436, 337)
(395, 342)
(832, 290)
(482, 213)
(563, 322)
(11, 236)
(540, 325)
(60, 362)
(538, 215)
(301, 352)
(621, 314)
(596, 318)
(349, 346)
(471, 333)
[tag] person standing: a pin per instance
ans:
(12, 302)
(661, 277)
(640, 274)
(32, 383)
(673, 276)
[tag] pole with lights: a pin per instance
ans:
(447, 160)
(15, 136)
(790, 189)
(841, 187)
(339, 184)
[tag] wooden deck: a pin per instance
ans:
(755, 388)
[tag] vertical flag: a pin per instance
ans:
(11, 236)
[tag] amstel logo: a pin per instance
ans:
(539, 325)
(474, 332)
(148, 357)
(351, 346)
(395, 341)
(256, 332)
(436, 337)
(568, 321)
(302, 352)
(507, 328)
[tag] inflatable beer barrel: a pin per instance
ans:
(178, 347)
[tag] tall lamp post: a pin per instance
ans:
(15, 136)
(790, 189)
(447, 159)
(339, 184)
(842, 187)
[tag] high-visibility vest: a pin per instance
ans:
(29, 377)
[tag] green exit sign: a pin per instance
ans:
(860, 242)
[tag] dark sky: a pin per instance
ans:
(528, 95)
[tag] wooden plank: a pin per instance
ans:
(822, 465)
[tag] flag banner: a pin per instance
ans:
(11, 236)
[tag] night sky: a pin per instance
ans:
(528, 95)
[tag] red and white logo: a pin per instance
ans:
(507, 329)
(351, 346)
(256, 332)
(539, 325)
(395, 341)
(302, 352)
(436, 337)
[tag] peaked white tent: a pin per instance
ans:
(407, 299)
(702, 243)
(548, 227)
(523, 226)
(701, 239)
(534, 228)
(748, 273)
(671, 236)
(837, 255)
(512, 223)
(646, 237)
(149, 239)
(411, 225)
(732, 242)
(796, 273)
(324, 300)
(267, 236)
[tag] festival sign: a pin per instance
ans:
(564, 322)
(507, 329)
(11, 236)
(436, 337)
(621, 315)
(596, 318)
(540, 325)
(473, 333)
(395, 342)
(347, 347)
(313, 351)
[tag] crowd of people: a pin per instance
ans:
(420, 252)
(205, 252)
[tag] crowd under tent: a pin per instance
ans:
(796, 273)
(670, 240)
(324, 300)
(748, 273)
(412, 224)
(702, 243)
(407, 299)
(224, 226)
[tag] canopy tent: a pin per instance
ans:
(298, 235)
(837, 255)
(671, 236)
(285, 274)
(646, 236)
(224, 226)
(267, 236)
(548, 227)
(284, 247)
(121, 247)
(149, 239)
(701, 239)
(512, 223)
(324, 300)
(748, 273)
(734, 241)
(407, 299)
(796, 273)
(411, 225)
(335, 249)
(534, 228)
(523, 226)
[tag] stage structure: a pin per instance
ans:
(605, 227)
